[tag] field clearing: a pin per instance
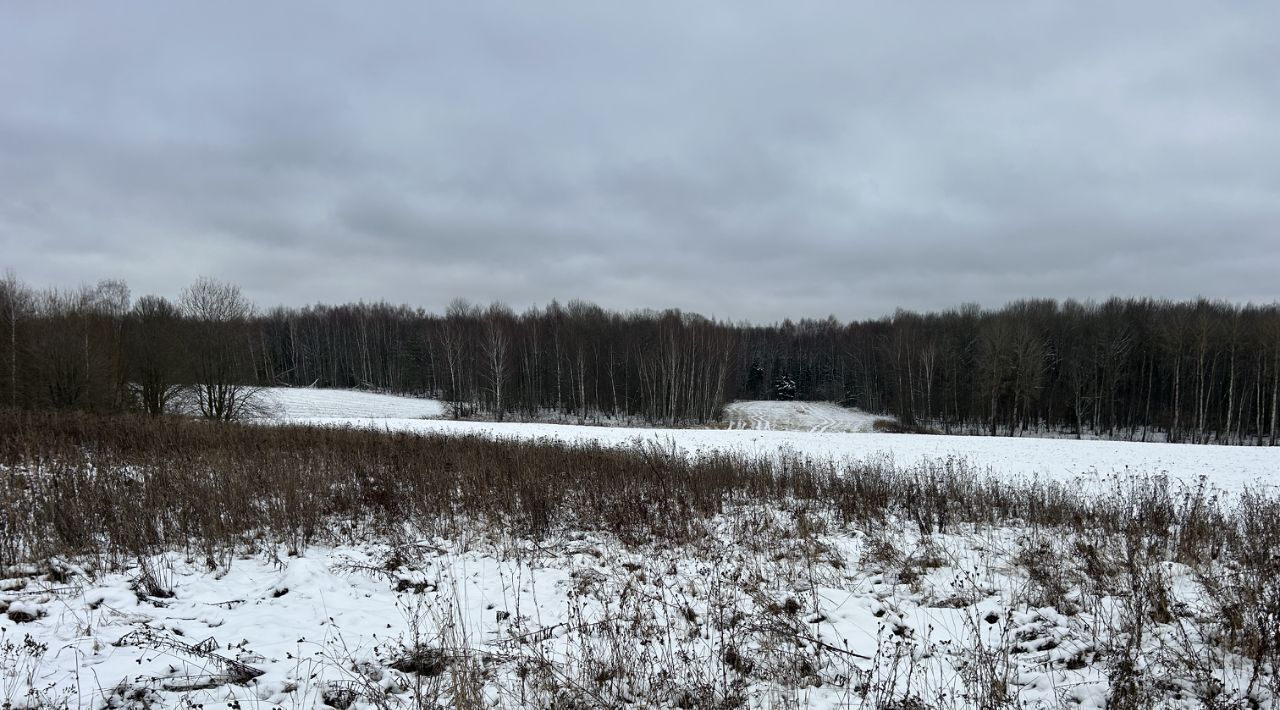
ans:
(1093, 462)
(820, 430)
(295, 402)
(798, 416)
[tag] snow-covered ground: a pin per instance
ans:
(797, 416)
(772, 619)
(814, 429)
(752, 607)
(309, 629)
(317, 404)
(1229, 468)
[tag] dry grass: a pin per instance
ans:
(113, 490)
(118, 487)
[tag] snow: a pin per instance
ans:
(320, 404)
(1227, 468)
(815, 429)
(311, 621)
(335, 618)
(339, 617)
(798, 416)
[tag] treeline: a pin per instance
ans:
(91, 349)
(575, 360)
(1139, 369)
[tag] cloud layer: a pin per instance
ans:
(745, 160)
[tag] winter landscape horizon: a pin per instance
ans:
(409, 355)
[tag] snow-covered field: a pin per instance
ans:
(769, 620)
(1229, 468)
(797, 416)
(336, 620)
(296, 402)
(751, 612)
(814, 429)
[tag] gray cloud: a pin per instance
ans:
(750, 161)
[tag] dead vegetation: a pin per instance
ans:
(112, 492)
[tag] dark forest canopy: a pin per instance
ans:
(1144, 369)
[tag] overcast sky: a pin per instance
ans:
(746, 160)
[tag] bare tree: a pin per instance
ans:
(217, 316)
(107, 306)
(61, 360)
(15, 301)
(496, 348)
(454, 341)
(152, 352)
